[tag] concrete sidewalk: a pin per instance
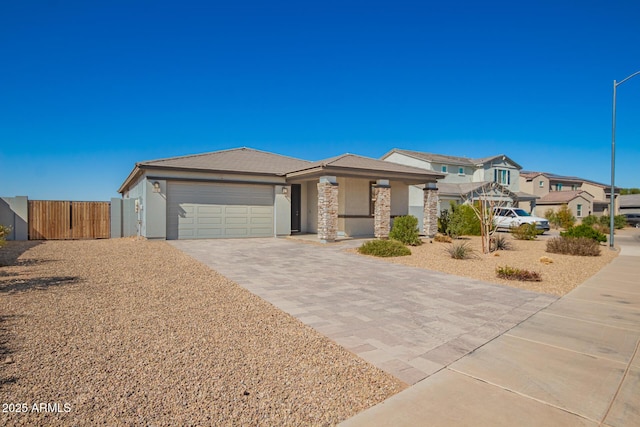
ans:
(575, 363)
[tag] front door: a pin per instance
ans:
(296, 199)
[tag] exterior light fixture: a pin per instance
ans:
(285, 190)
(156, 187)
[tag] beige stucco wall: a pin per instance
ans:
(311, 206)
(533, 186)
(399, 198)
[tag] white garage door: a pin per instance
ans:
(209, 211)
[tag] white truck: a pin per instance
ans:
(505, 218)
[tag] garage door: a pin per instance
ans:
(209, 211)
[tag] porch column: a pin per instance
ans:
(430, 221)
(382, 209)
(327, 209)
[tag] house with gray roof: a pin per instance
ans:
(630, 203)
(583, 196)
(244, 192)
(464, 179)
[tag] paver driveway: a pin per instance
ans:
(407, 321)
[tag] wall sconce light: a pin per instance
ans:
(285, 190)
(156, 187)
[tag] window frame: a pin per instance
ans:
(444, 169)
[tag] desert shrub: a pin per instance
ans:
(500, 243)
(565, 218)
(4, 232)
(584, 230)
(525, 232)
(442, 238)
(443, 221)
(405, 230)
(619, 221)
(582, 246)
(463, 222)
(384, 248)
(460, 251)
(512, 273)
(552, 217)
(590, 220)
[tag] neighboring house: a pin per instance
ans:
(629, 203)
(464, 178)
(584, 197)
(249, 193)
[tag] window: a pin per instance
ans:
(574, 187)
(372, 195)
(502, 176)
(541, 184)
(443, 169)
(579, 211)
(460, 171)
(558, 187)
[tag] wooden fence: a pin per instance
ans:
(63, 220)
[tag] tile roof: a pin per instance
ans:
(555, 197)
(554, 177)
(451, 160)
(353, 161)
(629, 201)
(236, 160)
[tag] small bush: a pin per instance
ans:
(512, 273)
(405, 230)
(619, 221)
(581, 246)
(443, 221)
(463, 222)
(525, 232)
(442, 238)
(460, 251)
(584, 230)
(564, 217)
(4, 232)
(552, 217)
(590, 220)
(500, 243)
(384, 248)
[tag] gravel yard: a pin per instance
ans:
(128, 332)
(558, 278)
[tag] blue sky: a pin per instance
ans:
(89, 88)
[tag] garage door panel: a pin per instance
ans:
(205, 211)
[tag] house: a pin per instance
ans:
(629, 203)
(583, 197)
(464, 179)
(250, 193)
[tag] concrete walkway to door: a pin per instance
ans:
(408, 321)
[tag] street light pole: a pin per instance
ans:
(613, 158)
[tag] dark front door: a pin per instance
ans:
(295, 207)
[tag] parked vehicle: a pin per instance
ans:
(633, 219)
(505, 218)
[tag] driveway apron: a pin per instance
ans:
(409, 322)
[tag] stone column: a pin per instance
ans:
(327, 209)
(382, 210)
(430, 209)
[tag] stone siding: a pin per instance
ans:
(327, 211)
(382, 212)
(430, 211)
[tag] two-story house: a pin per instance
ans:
(583, 197)
(464, 178)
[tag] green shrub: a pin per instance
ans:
(463, 222)
(460, 251)
(443, 221)
(512, 273)
(525, 232)
(619, 221)
(584, 230)
(4, 232)
(582, 246)
(384, 248)
(590, 220)
(552, 217)
(500, 243)
(405, 230)
(564, 217)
